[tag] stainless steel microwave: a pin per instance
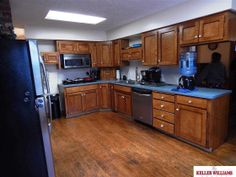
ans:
(75, 61)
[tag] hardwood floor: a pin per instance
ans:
(105, 144)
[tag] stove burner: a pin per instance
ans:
(77, 81)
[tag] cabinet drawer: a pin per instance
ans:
(122, 88)
(166, 116)
(80, 88)
(167, 127)
(195, 102)
(164, 105)
(163, 96)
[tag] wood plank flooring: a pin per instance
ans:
(105, 144)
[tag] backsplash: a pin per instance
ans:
(56, 76)
(170, 74)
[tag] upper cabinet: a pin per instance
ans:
(208, 29)
(116, 46)
(104, 54)
(51, 58)
(72, 47)
(168, 45)
(150, 44)
(93, 51)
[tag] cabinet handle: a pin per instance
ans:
(190, 101)
(162, 116)
(195, 36)
(142, 60)
(159, 61)
(123, 97)
(162, 97)
(177, 109)
(162, 106)
(200, 35)
(162, 125)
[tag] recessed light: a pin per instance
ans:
(73, 17)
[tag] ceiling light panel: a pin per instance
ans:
(73, 17)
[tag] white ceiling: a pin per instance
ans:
(117, 12)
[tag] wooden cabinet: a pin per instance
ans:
(72, 47)
(168, 46)
(132, 54)
(105, 96)
(191, 124)
(51, 58)
(81, 99)
(107, 73)
(74, 103)
(93, 51)
(116, 46)
(163, 112)
(122, 99)
(208, 29)
(150, 44)
(104, 54)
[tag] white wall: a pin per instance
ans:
(39, 32)
(170, 74)
(182, 12)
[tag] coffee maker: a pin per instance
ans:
(151, 76)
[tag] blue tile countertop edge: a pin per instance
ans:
(200, 92)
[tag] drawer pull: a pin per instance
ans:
(162, 116)
(162, 106)
(123, 97)
(162, 97)
(177, 109)
(190, 101)
(162, 125)
(195, 36)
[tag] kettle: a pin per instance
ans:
(187, 82)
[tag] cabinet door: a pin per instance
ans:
(136, 53)
(107, 73)
(168, 46)
(73, 103)
(104, 54)
(211, 28)
(83, 47)
(51, 57)
(149, 41)
(104, 96)
(111, 87)
(128, 105)
(188, 32)
(191, 124)
(122, 103)
(93, 51)
(125, 55)
(90, 100)
(66, 46)
(116, 52)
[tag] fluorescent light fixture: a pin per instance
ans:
(73, 17)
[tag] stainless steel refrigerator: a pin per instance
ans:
(25, 114)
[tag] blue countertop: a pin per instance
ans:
(200, 92)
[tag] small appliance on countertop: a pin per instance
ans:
(152, 76)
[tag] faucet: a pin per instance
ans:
(137, 78)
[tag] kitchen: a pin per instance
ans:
(122, 109)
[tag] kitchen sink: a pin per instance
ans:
(132, 82)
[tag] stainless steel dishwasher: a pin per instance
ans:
(142, 105)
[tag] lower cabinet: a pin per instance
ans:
(122, 100)
(191, 124)
(81, 99)
(105, 100)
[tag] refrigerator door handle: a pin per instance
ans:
(48, 92)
